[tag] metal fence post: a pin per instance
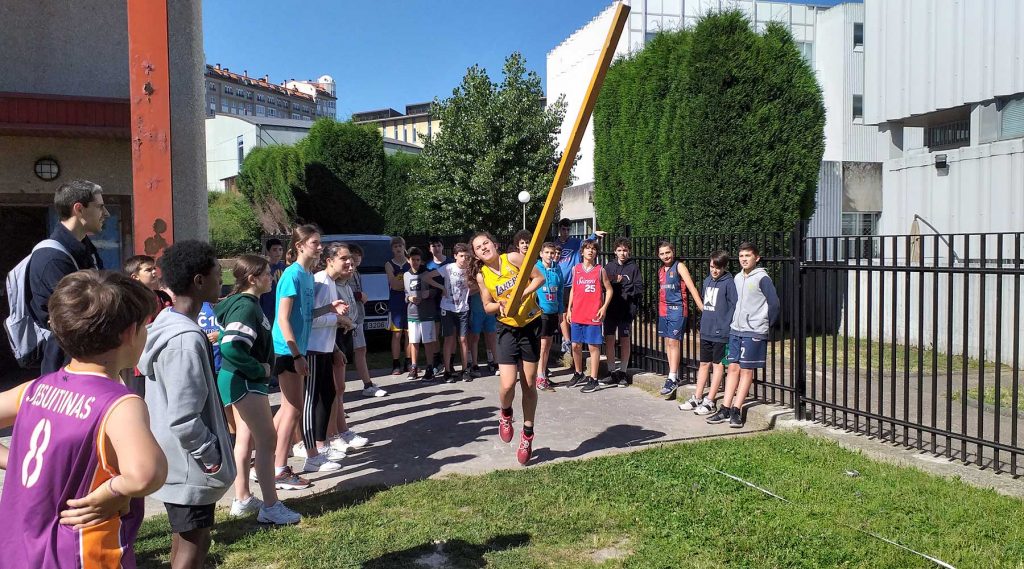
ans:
(799, 330)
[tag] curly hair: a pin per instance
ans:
(184, 260)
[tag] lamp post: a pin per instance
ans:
(524, 199)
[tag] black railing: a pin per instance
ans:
(911, 339)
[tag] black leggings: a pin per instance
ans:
(319, 397)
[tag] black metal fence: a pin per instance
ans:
(911, 339)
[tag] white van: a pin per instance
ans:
(376, 254)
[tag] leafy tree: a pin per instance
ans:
(353, 153)
(496, 141)
(716, 129)
(234, 227)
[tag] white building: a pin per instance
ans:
(324, 92)
(229, 139)
(945, 80)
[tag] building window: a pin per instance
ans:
(863, 225)
(580, 227)
(223, 106)
(211, 85)
(405, 134)
(1011, 119)
(414, 134)
(806, 50)
(240, 142)
(858, 35)
(228, 90)
(271, 112)
(396, 133)
(949, 135)
(858, 107)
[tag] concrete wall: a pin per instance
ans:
(982, 190)
(104, 161)
(188, 143)
(88, 58)
(924, 55)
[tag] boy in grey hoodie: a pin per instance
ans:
(184, 405)
(757, 308)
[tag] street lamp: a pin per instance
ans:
(524, 198)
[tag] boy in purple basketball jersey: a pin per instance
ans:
(82, 455)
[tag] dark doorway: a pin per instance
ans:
(23, 227)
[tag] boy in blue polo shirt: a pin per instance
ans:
(757, 308)
(550, 299)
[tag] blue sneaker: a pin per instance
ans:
(668, 391)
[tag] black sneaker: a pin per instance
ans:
(576, 381)
(736, 418)
(428, 374)
(447, 375)
(474, 373)
(493, 367)
(724, 414)
(590, 386)
(622, 379)
(608, 381)
(407, 365)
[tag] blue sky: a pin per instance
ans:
(387, 53)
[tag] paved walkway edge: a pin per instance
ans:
(784, 418)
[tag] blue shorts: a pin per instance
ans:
(587, 334)
(398, 319)
(673, 325)
(479, 321)
(750, 353)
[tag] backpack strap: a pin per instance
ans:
(54, 244)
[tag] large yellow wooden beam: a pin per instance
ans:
(569, 154)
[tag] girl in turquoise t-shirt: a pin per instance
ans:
(292, 325)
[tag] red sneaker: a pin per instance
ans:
(505, 430)
(525, 449)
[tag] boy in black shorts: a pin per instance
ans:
(756, 310)
(627, 288)
(719, 304)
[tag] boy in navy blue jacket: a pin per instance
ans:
(757, 308)
(719, 304)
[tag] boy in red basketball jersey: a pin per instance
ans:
(81, 453)
(589, 297)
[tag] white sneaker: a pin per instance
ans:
(690, 404)
(320, 463)
(299, 450)
(353, 439)
(278, 514)
(706, 407)
(332, 454)
(249, 506)
(373, 391)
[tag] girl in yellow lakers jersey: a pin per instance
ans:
(518, 334)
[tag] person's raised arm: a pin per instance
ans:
(536, 276)
(430, 275)
(685, 274)
(138, 457)
(490, 306)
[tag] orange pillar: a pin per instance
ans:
(149, 91)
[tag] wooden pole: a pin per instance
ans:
(569, 155)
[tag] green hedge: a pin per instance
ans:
(709, 130)
(234, 227)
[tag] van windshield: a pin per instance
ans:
(376, 254)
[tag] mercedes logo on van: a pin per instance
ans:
(381, 308)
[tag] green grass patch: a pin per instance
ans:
(1005, 397)
(662, 507)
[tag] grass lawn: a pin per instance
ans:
(662, 507)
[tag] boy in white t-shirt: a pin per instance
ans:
(455, 310)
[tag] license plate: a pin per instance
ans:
(377, 325)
